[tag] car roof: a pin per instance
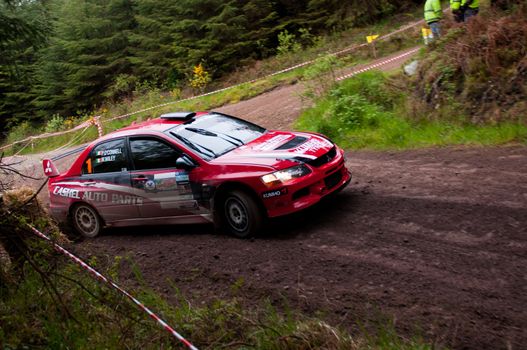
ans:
(151, 125)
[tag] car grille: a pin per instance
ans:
(300, 193)
(325, 158)
(333, 180)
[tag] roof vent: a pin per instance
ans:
(178, 116)
(294, 142)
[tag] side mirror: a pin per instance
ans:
(185, 163)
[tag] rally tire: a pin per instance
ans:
(86, 221)
(241, 215)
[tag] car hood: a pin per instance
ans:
(278, 149)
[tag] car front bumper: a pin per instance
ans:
(322, 182)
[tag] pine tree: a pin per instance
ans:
(88, 49)
(152, 43)
(23, 28)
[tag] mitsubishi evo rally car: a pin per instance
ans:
(192, 168)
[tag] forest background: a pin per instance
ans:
(62, 58)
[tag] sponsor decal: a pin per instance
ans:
(66, 192)
(165, 181)
(95, 196)
(166, 184)
(274, 193)
(182, 178)
(126, 199)
(171, 181)
(114, 198)
(272, 143)
(164, 176)
(150, 185)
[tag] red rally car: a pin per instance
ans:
(192, 168)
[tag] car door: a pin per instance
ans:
(106, 183)
(167, 190)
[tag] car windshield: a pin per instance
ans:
(213, 135)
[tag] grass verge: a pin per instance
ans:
(367, 112)
(80, 314)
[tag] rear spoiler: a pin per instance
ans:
(50, 170)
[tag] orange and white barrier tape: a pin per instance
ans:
(97, 122)
(106, 280)
(379, 64)
(46, 135)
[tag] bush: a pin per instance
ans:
(56, 123)
(369, 111)
(287, 43)
(200, 78)
(357, 103)
(319, 77)
(480, 67)
(123, 87)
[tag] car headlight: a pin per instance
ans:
(285, 175)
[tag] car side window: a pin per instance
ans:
(106, 157)
(151, 153)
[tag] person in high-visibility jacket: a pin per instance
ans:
(470, 8)
(433, 15)
(455, 7)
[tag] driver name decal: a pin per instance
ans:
(109, 152)
(108, 155)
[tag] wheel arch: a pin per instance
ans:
(224, 188)
(77, 203)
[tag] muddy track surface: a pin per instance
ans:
(433, 239)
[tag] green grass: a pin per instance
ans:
(363, 112)
(89, 315)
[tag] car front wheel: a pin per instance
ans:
(242, 217)
(86, 221)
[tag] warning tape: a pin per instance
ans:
(376, 65)
(100, 277)
(99, 126)
(46, 135)
(97, 122)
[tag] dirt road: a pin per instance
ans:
(435, 239)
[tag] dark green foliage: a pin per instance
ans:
(89, 48)
(22, 33)
(152, 43)
(477, 70)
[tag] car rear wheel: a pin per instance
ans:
(242, 216)
(86, 221)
